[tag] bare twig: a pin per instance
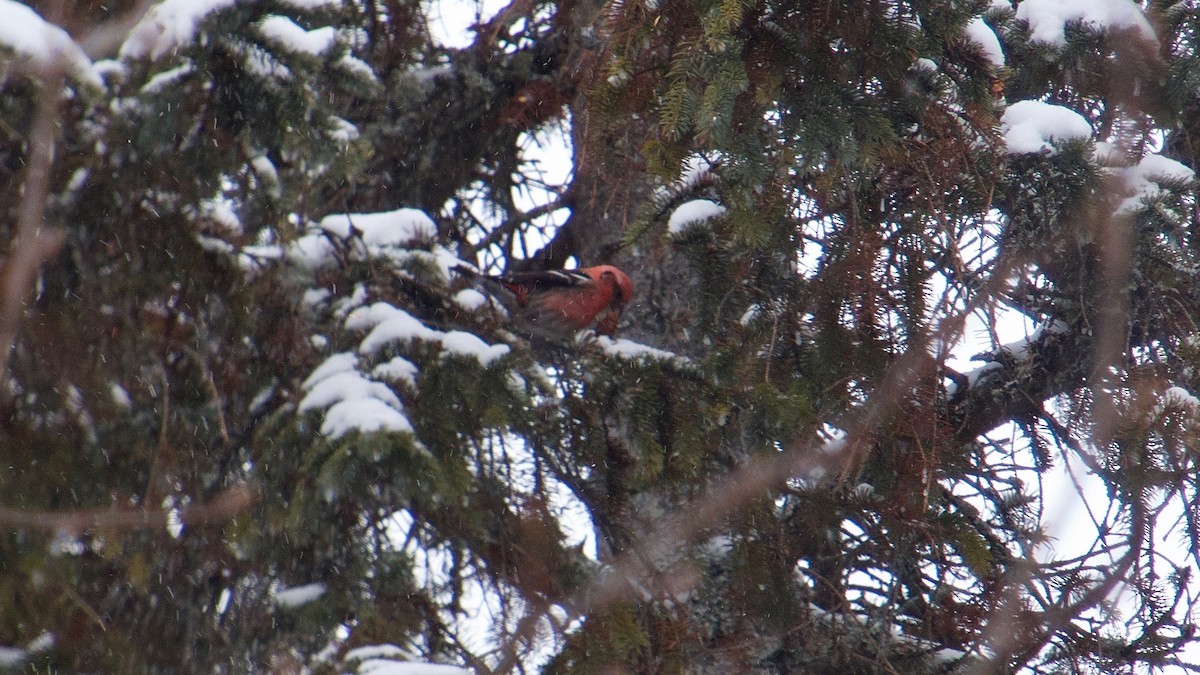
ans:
(225, 506)
(35, 244)
(103, 40)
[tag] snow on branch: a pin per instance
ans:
(290, 34)
(312, 5)
(1033, 126)
(351, 400)
(1144, 181)
(1013, 354)
(354, 400)
(392, 660)
(1048, 19)
(29, 37)
(1176, 398)
(985, 38)
(398, 236)
(168, 26)
(389, 324)
(298, 596)
(693, 213)
(635, 351)
(174, 24)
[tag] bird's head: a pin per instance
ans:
(622, 284)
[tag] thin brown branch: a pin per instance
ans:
(508, 227)
(103, 40)
(34, 244)
(232, 501)
(211, 383)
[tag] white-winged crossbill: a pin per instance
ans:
(563, 302)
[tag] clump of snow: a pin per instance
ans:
(692, 213)
(347, 386)
(834, 446)
(925, 64)
(1107, 153)
(119, 396)
(1018, 351)
(1048, 18)
(1180, 398)
(367, 415)
(111, 69)
(467, 344)
(717, 546)
(342, 131)
(635, 351)
(167, 78)
(354, 401)
(864, 491)
(398, 369)
(24, 32)
(1142, 180)
(982, 35)
(1021, 349)
(390, 324)
(297, 596)
(391, 228)
(338, 363)
(169, 25)
(470, 299)
(290, 34)
(266, 172)
(315, 296)
(694, 171)
(12, 657)
(310, 5)
(379, 232)
(974, 376)
(427, 75)
(358, 297)
(385, 667)
(405, 239)
(946, 656)
(78, 179)
(222, 212)
(255, 257)
(392, 660)
(950, 387)
(357, 66)
(15, 657)
(1033, 126)
(389, 667)
(41, 643)
(376, 652)
(752, 312)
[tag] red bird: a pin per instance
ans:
(562, 302)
